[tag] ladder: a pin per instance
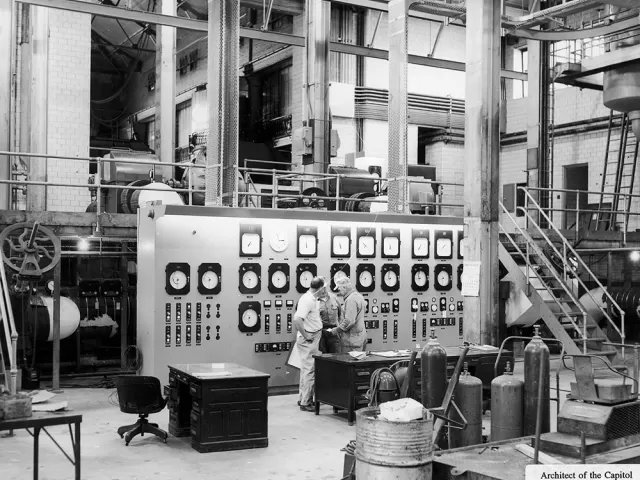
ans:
(618, 174)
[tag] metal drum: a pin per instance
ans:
(468, 397)
(433, 368)
(536, 357)
(393, 450)
(506, 406)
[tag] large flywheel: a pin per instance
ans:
(29, 249)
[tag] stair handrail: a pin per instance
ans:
(551, 268)
(10, 331)
(567, 246)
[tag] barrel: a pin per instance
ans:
(388, 450)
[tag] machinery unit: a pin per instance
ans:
(221, 285)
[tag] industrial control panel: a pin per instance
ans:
(222, 285)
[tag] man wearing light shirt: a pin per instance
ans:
(308, 324)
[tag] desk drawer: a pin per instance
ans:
(360, 401)
(361, 388)
(362, 373)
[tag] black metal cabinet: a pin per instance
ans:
(221, 410)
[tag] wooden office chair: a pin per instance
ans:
(142, 396)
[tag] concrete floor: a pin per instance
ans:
(301, 445)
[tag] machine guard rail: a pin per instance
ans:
(567, 248)
(551, 268)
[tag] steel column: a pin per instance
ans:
(481, 174)
(317, 81)
(7, 55)
(398, 105)
(534, 126)
(223, 93)
(57, 274)
(39, 106)
(165, 91)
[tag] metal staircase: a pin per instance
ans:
(618, 174)
(551, 273)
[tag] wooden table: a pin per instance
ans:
(223, 406)
(39, 421)
(342, 381)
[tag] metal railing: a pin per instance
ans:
(567, 249)
(315, 179)
(561, 280)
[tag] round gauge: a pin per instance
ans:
(434, 307)
(250, 279)
(443, 278)
(209, 280)
(178, 279)
(374, 309)
(420, 278)
(249, 317)
(305, 278)
(279, 242)
(51, 285)
(279, 279)
(452, 307)
(390, 278)
(365, 279)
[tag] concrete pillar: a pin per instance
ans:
(318, 35)
(39, 106)
(165, 92)
(224, 92)
(481, 174)
(7, 50)
(398, 100)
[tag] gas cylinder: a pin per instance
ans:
(433, 367)
(387, 389)
(506, 406)
(468, 398)
(536, 358)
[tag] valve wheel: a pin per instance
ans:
(29, 247)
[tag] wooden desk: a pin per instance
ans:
(343, 381)
(223, 406)
(39, 421)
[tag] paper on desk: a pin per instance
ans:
(222, 373)
(49, 406)
(39, 396)
(358, 355)
(393, 353)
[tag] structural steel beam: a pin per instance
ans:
(291, 7)
(165, 90)
(481, 169)
(7, 44)
(274, 37)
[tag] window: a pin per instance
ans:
(150, 133)
(183, 124)
(276, 94)
(520, 64)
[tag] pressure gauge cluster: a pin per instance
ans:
(365, 277)
(249, 278)
(209, 278)
(420, 277)
(279, 278)
(390, 277)
(304, 274)
(249, 317)
(177, 278)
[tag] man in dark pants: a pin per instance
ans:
(351, 330)
(329, 308)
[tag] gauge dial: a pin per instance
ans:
(250, 244)
(250, 279)
(420, 278)
(307, 245)
(390, 278)
(366, 246)
(279, 279)
(340, 246)
(305, 278)
(444, 278)
(420, 247)
(391, 246)
(210, 280)
(443, 247)
(461, 248)
(365, 278)
(279, 242)
(178, 280)
(250, 318)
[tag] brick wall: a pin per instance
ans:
(68, 124)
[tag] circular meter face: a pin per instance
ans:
(50, 285)
(250, 318)
(390, 279)
(250, 279)
(420, 278)
(443, 278)
(305, 278)
(279, 279)
(366, 279)
(210, 280)
(178, 280)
